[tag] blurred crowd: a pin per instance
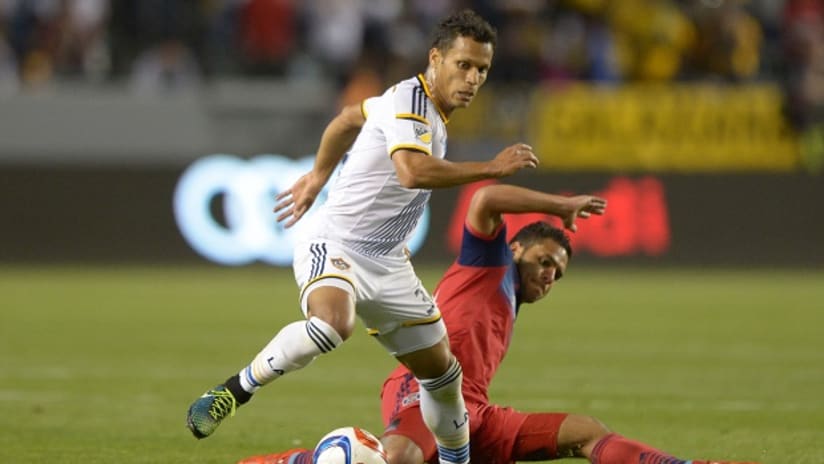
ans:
(157, 46)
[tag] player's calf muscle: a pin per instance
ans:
(429, 362)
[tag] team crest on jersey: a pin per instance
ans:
(422, 133)
(340, 263)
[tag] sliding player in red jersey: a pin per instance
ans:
(480, 296)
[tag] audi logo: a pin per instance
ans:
(246, 190)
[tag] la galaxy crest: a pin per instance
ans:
(340, 264)
(423, 133)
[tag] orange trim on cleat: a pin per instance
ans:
(276, 458)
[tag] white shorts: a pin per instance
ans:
(390, 298)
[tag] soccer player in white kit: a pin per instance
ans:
(355, 261)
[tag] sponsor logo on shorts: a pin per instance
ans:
(411, 399)
(340, 263)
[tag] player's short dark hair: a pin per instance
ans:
(537, 231)
(465, 23)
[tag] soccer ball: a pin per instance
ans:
(349, 445)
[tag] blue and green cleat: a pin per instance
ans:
(208, 411)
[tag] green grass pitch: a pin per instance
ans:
(99, 365)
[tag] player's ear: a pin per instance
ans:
(517, 250)
(435, 57)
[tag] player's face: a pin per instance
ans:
(539, 266)
(459, 72)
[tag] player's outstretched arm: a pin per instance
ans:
(490, 203)
(338, 136)
(418, 170)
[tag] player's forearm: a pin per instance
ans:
(426, 172)
(502, 199)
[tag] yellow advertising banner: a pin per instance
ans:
(674, 127)
(639, 128)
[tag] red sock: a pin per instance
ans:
(615, 449)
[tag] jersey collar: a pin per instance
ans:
(516, 284)
(422, 80)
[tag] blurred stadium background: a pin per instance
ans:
(702, 120)
(141, 143)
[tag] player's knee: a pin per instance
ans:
(402, 457)
(401, 450)
(597, 428)
(584, 430)
(334, 307)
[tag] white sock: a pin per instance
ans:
(444, 412)
(293, 348)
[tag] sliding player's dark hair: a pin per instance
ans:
(540, 230)
(465, 23)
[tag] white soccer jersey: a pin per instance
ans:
(368, 210)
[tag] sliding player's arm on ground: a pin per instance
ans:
(338, 136)
(490, 203)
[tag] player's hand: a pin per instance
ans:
(582, 206)
(514, 158)
(295, 201)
